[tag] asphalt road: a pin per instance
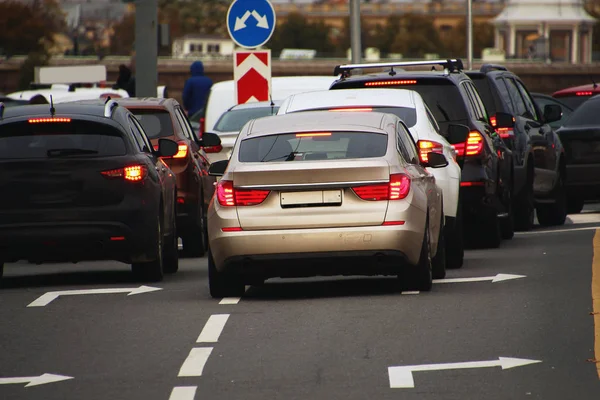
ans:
(312, 338)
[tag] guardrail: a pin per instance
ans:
(367, 9)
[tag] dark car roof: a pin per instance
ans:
(574, 89)
(381, 76)
(146, 101)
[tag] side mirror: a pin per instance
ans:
(436, 160)
(552, 113)
(457, 133)
(502, 120)
(218, 168)
(167, 148)
(210, 142)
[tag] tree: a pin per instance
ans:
(297, 33)
(455, 44)
(121, 41)
(415, 36)
(368, 37)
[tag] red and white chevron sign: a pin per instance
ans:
(252, 75)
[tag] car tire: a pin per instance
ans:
(152, 271)
(419, 277)
(574, 205)
(221, 284)
(554, 214)
(195, 242)
(438, 263)
(171, 252)
(523, 206)
(486, 233)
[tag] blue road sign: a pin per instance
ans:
(251, 22)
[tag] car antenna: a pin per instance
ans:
(52, 109)
(593, 81)
(272, 104)
(392, 72)
(107, 100)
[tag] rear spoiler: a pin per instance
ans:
(452, 65)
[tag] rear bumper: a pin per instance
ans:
(478, 202)
(583, 181)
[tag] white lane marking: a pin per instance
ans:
(194, 363)
(402, 376)
(49, 297)
(587, 228)
(35, 380)
(494, 279)
(411, 292)
(183, 393)
(213, 328)
(230, 300)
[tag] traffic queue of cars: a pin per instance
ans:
(385, 173)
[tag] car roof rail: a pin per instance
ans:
(452, 65)
(485, 68)
(109, 106)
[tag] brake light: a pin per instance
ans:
(45, 120)
(472, 147)
(505, 133)
(583, 93)
(213, 149)
(428, 146)
(351, 109)
(396, 189)
(182, 151)
(474, 183)
(133, 173)
(228, 196)
(232, 229)
(392, 82)
(201, 128)
(313, 134)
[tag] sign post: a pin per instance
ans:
(251, 24)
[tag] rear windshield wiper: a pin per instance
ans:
(69, 152)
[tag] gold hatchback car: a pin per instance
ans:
(321, 194)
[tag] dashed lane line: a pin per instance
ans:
(596, 299)
(213, 328)
(195, 361)
(230, 300)
(183, 393)
(536, 232)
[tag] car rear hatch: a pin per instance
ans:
(582, 144)
(311, 180)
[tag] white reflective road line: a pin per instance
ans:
(230, 300)
(49, 297)
(194, 363)
(35, 380)
(183, 393)
(411, 292)
(493, 279)
(213, 328)
(534, 232)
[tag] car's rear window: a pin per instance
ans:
(308, 146)
(234, 120)
(586, 115)
(406, 114)
(485, 92)
(77, 138)
(573, 101)
(156, 123)
(440, 94)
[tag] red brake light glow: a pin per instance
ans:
(232, 229)
(313, 134)
(396, 189)
(213, 149)
(472, 147)
(352, 109)
(228, 196)
(505, 133)
(182, 151)
(133, 173)
(493, 121)
(428, 146)
(583, 93)
(474, 183)
(392, 82)
(46, 120)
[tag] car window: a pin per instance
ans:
(573, 100)
(503, 90)
(515, 95)
(234, 120)
(482, 86)
(183, 123)
(408, 115)
(431, 119)
(157, 123)
(586, 115)
(543, 101)
(529, 104)
(78, 138)
(140, 136)
(305, 146)
(408, 145)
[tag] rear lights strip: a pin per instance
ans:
(396, 189)
(228, 196)
(472, 147)
(428, 146)
(132, 173)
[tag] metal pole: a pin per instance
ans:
(355, 44)
(146, 48)
(469, 34)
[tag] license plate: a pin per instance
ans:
(312, 197)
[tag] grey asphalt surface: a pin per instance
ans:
(330, 338)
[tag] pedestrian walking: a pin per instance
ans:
(196, 89)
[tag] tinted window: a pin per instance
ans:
(407, 145)
(476, 103)
(48, 140)
(528, 101)
(503, 90)
(586, 114)
(573, 101)
(516, 98)
(156, 123)
(140, 136)
(313, 146)
(485, 92)
(234, 120)
(544, 101)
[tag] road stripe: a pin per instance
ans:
(536, 232)
(596, 299)
(183, 393)
(230, 300)
(213, 328)
(411, 292)
(194, 363)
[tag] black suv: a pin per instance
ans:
(486, 186)
(538, 155)
(83, 182)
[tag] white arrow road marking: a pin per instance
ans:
(213, 328)
(402, 377)
(195, 361)
(261, 20)
(49, 297)
(494, 279)
(35, 380)
(240, 23)
(183, 393)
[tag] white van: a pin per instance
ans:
(222, 94)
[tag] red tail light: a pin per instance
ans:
(505, 133)
(201, 128)
(583, 93)
(472, 147)
(426, 147)
(133, 173)
(213, 149)
(228, 196)
(396, 189)
(46, 120)
(392, 82)
(182, 150)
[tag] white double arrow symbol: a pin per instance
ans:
(261, 20)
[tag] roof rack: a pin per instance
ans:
(109, 106)
(454, 64)
(485, 68)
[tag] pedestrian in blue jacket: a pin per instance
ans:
(196, 89)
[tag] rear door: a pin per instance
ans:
(307, 179)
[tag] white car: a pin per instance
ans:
(410, 107)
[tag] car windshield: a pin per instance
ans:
(157, 123)
(573, 100)
(307, 146)
(406, 114)
(586, 115)
(234, 120)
